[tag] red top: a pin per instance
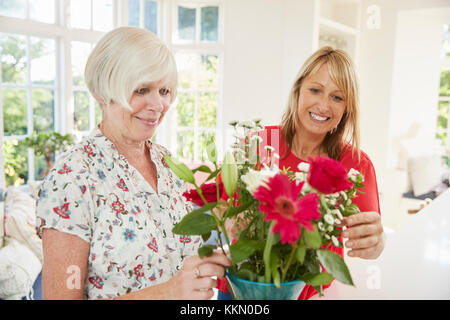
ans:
(367, 201)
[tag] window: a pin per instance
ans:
(443, 126)
(44, 47)
(144, 14)
(198, 46)
(28, 93)
(42, 66)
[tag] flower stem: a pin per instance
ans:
(285, 270)
(267, 251)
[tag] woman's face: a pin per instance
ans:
(149, 102)
(320, 104)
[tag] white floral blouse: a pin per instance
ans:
(94, 193)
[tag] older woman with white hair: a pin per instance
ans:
(107, 208)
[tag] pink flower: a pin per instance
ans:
(279, 200)
(327, 175)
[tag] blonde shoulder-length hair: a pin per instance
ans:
(342, 72)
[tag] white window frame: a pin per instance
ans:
(197, 47)
(63, 35)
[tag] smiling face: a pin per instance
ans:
(149, 103)
(321, 104)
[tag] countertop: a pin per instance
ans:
(415, 263)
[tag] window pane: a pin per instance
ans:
(13, 8)
(40, 165)
(42, 10)
(151, 16)
(209, 75)
(209, 24)
(14, 112)
(81, 110)
(13, 57)
(185, 144)
(43, 61)
(186, 69)
(80, 14)
(134, 9)
(16, 163)
(98, 113)
(206, 148)
(186, 23)
(43, 102)
(207, 109)
(442, 121)
(80, 53)
(103, 15)
(185, 109)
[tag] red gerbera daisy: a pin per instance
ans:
(279, 201)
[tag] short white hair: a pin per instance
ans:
(126, 58)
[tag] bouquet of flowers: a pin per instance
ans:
(285, 220)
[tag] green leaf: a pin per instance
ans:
(242, 249)
(276, 279)
(206, 236)
(233, 211)
(312, 239)
(206, 251)
(229, 174)
(180, 169)
(196, 222)
(300, 254)
(202, 168)
(335, 266)
(320, 279)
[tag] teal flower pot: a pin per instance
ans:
(250, 290)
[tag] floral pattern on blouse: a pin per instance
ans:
(94, 193)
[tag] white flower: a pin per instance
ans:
(330, 229)
(303, 166)
(321, 227)
(276, 156)
(300, 176)
(335, 241)
(253, 179)
(329, 218)
(247, 124)
(337, 213)
(269, 148)
(353, 174)
(256, 137)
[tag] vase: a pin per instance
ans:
(251, 290)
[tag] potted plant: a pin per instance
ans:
(287, 220)
(46, 144)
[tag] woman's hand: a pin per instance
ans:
(365, 235)
(194, 281)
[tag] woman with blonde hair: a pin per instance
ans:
(321, 119)
(107, 208)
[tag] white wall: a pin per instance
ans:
(266, 42)
(415, 85)
(399, 78)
